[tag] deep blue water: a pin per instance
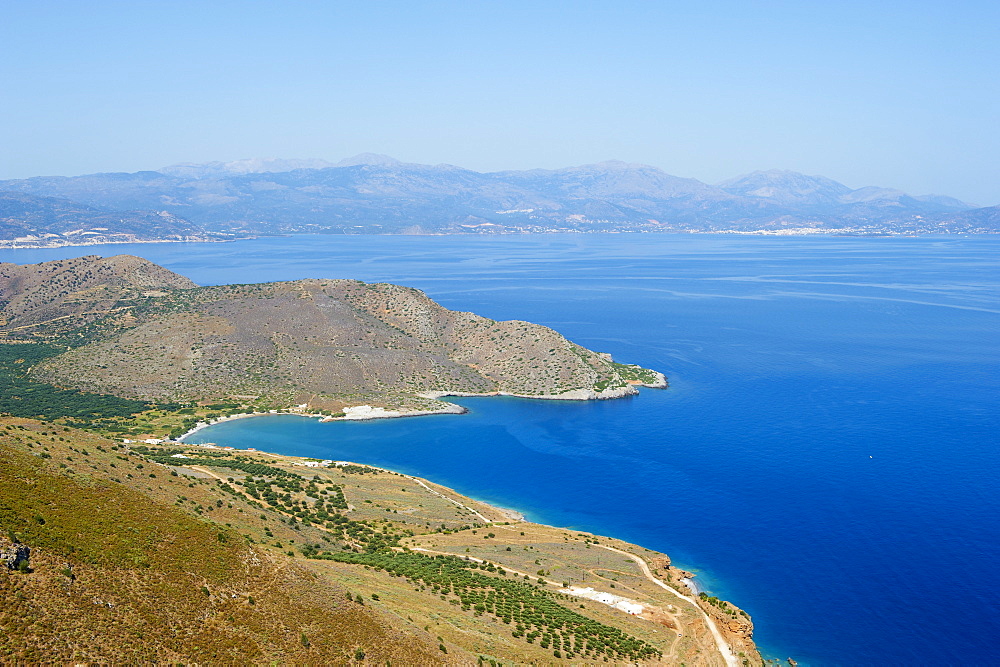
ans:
(826, 456)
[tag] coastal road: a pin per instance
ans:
(720, 641)
(451, 500)
(673, 644)
(209, 472)
(724, 650)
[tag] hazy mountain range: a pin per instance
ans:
(58, 221)
(378, 194)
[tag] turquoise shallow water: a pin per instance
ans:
(825, 456)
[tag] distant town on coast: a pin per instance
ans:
(376, 194)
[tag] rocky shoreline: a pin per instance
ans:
(368, 412)
(569, 395)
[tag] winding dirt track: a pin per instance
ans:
(451, 500)
(207, 472)
(720, 641)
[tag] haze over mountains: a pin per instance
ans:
(371, 193)
(66, 222)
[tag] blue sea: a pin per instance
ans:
(826, 454)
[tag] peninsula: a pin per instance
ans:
(127, 327)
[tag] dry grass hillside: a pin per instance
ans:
(136, 330)
(193, 554)
(117, 573)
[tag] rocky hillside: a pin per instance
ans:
(140, 331)
(117, 572)
(116, 568)
(67, 295)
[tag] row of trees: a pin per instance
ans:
(249, 467)
(533, 611)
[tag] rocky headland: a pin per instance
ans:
(134, 329)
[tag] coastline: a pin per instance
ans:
(384, 414)
(569, 395)
(218, 420)
(729, 636)
(12, 244)
(722, 635)
(368, 412)
(507, 513)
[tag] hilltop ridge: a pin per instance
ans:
(136, 330)
(45, 300)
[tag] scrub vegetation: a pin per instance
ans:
(137, 554)
(24, 397)
(118, 546)
(130, 328)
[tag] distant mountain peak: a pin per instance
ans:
(371, 159)
(373, 193)
(253, 165)
(605, 166)
(783, 178)
(815, 193)
(616, 165)
(786, 187)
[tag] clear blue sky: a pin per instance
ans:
(897, 94)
